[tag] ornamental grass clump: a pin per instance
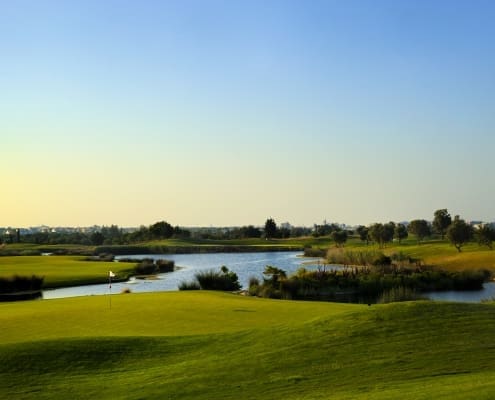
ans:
(223, 280)
(189, 285)
(400, 293)
(213, 280)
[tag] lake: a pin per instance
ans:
(245, 265)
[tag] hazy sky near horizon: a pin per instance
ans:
(229, 112)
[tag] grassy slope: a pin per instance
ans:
(437, 253)
(217, 346)
(62, 270)
(444, 255)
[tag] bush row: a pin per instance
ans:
(18, 283)
(149, 266)
(363, 284)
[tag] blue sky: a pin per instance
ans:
(229, 112)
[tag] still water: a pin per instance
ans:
(245, 265)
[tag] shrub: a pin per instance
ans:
(122, 250)
(191, 285)
(106, 257)
(212, 280)
(224, 280)
(21, 284)
(314, 252)
(165, 265)
(270, 292)
(30, 253)
(400, 293)
(254, 286)
(364, 284)
(381, 260)
(146, 267)
(352, 257)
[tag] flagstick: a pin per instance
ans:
(110, 290)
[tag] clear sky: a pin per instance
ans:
(229, 112)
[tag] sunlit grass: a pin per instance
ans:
(217, 346)
(62, 270)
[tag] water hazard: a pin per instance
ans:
(245, 265)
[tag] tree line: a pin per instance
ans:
(112, 235)
(457, 231)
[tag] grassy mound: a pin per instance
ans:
(203, 345)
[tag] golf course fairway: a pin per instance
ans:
(206, 345)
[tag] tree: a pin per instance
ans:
(161, 230)
(376, 232)
(339, 237)
(486, 235)
(113, 234)
(363, 233)
(388, 231)
(459, 232)
(274, 275)
(181, 233)
(325, 229)
(420, 228)
(400, 232)
(250, 232)
(270, 228)
(441, 221)
(97, 238)
(382, 233)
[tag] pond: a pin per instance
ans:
(245, 265)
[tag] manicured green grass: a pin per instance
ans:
(202, 345)
(63, 270)
(235, 244)
(290, 242)
(157, 314)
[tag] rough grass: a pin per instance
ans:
(206, 345)
(63, 270)
(436, 253)
(443, 254)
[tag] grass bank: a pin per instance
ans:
(61, 271)
(216, 346)
(170, 246)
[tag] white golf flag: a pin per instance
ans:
(111, 274)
